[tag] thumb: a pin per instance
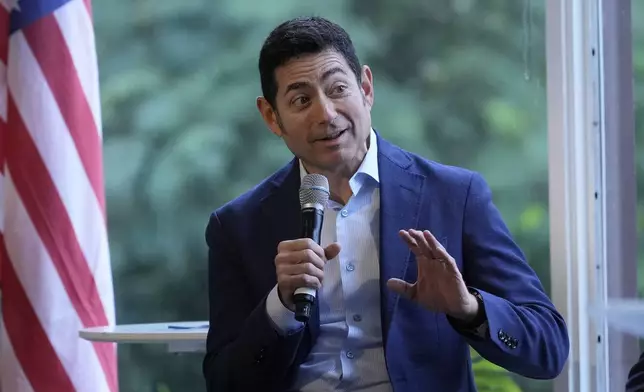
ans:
(332, 250)
(401, 287)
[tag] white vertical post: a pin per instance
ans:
(574, 179)
(617, 125)
(592, 182)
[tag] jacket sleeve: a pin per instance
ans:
(244, 350)
(636, 376)
(527, 335)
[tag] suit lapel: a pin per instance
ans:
(281, 210)
(400, 201)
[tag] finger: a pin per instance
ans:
(300, 269)
(299, 257)
(284, 246)
(307, 243)
(287, 257)
(401, 287)
(331, 251)
(300, 244)
(284, 257)
(422, 244)
(411, 242)
(310, 256)
(438, 248)
(302, 280)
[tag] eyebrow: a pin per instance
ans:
(327, 74)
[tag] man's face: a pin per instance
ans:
(322, 113)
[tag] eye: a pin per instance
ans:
(300, 101)
(339, 89)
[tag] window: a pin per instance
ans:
(593, 195)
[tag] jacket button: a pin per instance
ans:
(260, 356)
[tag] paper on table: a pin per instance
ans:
(188, 326)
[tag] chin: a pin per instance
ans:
(341, 159)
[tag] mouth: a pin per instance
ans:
(333, 136)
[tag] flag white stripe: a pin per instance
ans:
(75, 23)
(13, 378)
(46, 293)
(47, 128)
(3, 91)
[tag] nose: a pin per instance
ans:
(324, 111)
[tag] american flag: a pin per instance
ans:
(54, 260)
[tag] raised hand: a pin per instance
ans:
(440, 286)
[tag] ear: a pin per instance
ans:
(269, 115)
(367, 85)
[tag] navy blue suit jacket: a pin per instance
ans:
(635, 381)
(424, 350)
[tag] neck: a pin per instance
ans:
(340, 176)
(340, 190)
(338, 180)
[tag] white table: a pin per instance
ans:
(179, 336)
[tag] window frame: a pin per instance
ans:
(592, 183)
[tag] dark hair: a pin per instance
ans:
(300, 36)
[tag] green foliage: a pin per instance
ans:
(638, 96)
(490, 377)
(161, 387)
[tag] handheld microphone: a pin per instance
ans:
(314, 194)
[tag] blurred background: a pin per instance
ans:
(457, 81)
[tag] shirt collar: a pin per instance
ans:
(368, 168)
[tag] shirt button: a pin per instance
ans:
(357, 318)
(350, 267)
(344, 213)
(350, 354)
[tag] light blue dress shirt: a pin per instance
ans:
(348, 354)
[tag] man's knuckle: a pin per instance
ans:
(282, 261)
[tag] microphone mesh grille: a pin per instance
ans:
(314, 190)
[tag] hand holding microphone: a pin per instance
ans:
(300, 263)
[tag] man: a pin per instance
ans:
(415, 261)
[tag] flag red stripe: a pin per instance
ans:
(4, 36)
(31, 345)
(48, 44)
(88, 5)
(49, 216)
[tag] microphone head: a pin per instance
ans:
(314, 191)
